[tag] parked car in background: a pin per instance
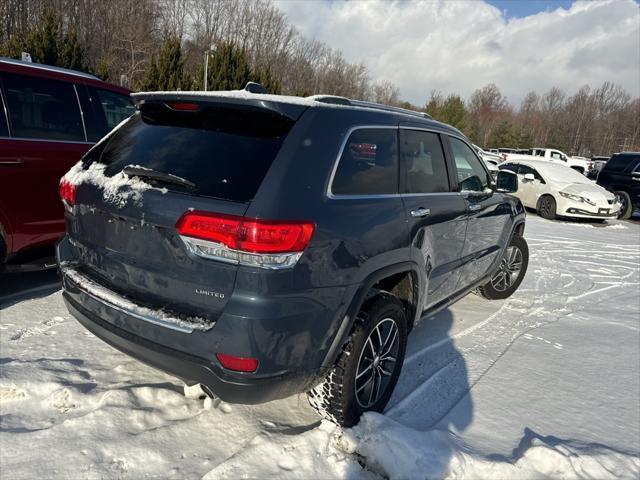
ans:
(621, 175)
(555, 190)
(580, 164)
(598, 164)
(49, 118)
(493, 169)
(264, 245)
(488, 157)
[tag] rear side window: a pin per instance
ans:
(42, 109)
(368, 164)
(512, 167)
(471, 174)
(423, 163)
(4, 129)
(116, 107)
(225, 152)
(620, 163)
(524, 169)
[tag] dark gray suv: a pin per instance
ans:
(263, 245)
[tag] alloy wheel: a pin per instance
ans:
(377, 362)
(509, 270)
(623, 205)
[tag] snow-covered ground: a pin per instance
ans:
(544, 384)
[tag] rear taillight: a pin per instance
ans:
(239, 364)
(247, 241)
(67, 192)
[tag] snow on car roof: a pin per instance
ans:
(233, 94)
(556, 171)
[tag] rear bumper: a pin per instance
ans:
(230, 388)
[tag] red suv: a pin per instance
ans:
(49, 118)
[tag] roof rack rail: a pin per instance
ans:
(50, 68)
(389, 108)
(332, 99)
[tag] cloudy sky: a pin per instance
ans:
(457, 46)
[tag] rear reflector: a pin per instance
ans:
(239, 364)
(67, 192)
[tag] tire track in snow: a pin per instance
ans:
(557, 286)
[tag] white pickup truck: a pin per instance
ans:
(581, 164)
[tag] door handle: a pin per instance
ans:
(474, 207)
(420, 212)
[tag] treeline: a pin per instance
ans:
(118, 40)
(593, 121)
(161, 45)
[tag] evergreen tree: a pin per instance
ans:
(503, 134)
(265, 77)
(229, 69)
(102, 70)
(449, 110)
(70, 52)
(48, 44)
(454, 112)
(166, 70)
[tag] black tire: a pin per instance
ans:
(494, 289)
(335, 398)
(547, 207)
(626, 208)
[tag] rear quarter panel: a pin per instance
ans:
(29, 189)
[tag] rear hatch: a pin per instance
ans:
(173, 156)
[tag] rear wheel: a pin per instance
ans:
(626, 208)
(367, 370)
(547, 207)
(510, 273)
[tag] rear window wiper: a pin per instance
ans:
(158, 176)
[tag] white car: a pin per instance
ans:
(556, 190)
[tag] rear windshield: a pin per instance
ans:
(224, 151)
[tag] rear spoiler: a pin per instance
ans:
(289, 107)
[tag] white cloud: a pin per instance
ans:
(458, 46)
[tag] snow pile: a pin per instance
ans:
(315, 453)
(395, 451)
(117, 189)
(152, 315)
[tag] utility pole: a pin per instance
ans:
(206, 66)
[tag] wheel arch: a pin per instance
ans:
(403, 280)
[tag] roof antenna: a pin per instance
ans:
(254, 87)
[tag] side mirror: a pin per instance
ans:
(507, 182)
(529, 177)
